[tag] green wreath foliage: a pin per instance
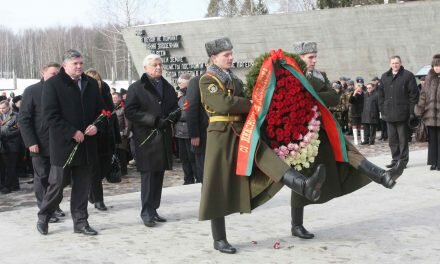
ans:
(252, 75)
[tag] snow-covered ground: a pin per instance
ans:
(7, 85)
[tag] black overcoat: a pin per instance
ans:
(370, 113)
(357, 104)
(10, 135)
(33, 129)
(67, 109)
(398, 94)
(196, 116)
(143, 107)
(109, 136)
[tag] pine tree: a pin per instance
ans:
(214, 8)
(231, 9)
(247, 8)
(261, 8)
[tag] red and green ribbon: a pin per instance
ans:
(262, 96)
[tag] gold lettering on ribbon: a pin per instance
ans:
(246, 133)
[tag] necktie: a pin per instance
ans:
(76, 81)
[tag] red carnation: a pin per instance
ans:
(281, 83)
(280, 138)
(279, 131)
(271, 121)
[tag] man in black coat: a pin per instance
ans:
(197, 121)
(35, 133)
(71, 104)
(151, 106)
(398, 94)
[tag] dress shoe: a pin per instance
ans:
(100, 206)
(433, 167)
(43, 228)
(224, 247)
(86, 230)
(53, 219)
(364, 143)
(301, 232)
(392, 164)
(158, 218)
(59, 213)
(149, 222)
(4, 190)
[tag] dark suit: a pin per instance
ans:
(143, 107)
(68, 109)
(35, 132)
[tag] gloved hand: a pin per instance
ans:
(162, 123)
(413, 121)
(380, 115)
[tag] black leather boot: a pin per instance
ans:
(297, 224)
(308, 187)
(386, 178)
(219, 235)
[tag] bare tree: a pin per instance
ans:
(295, 5)
(231, 8)
(122, 14)
(215, 8)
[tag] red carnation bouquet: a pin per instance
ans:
(292, 123)
(287, 113)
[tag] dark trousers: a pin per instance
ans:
(188, 160)
(41, 177)
(151, 193)
(102, 171)
(199, 154)
(384, 129)
(123, 159)
(81, 177)
(9, 175)
(297, 214)
(433, 145)
(398, 141)
(371, 137)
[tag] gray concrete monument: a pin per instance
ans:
(352, 42)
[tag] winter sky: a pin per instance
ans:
(22, 14)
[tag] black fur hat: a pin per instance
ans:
(436, 60)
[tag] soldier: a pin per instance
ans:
(224, 192)
(339, 109)
(342, 177)
(346, 95)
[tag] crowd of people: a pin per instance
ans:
(72, 125)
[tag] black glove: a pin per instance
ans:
(162, 123)
(413, 121)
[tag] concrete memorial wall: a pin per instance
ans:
(352, 42)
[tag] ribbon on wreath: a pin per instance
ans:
(262, 96)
